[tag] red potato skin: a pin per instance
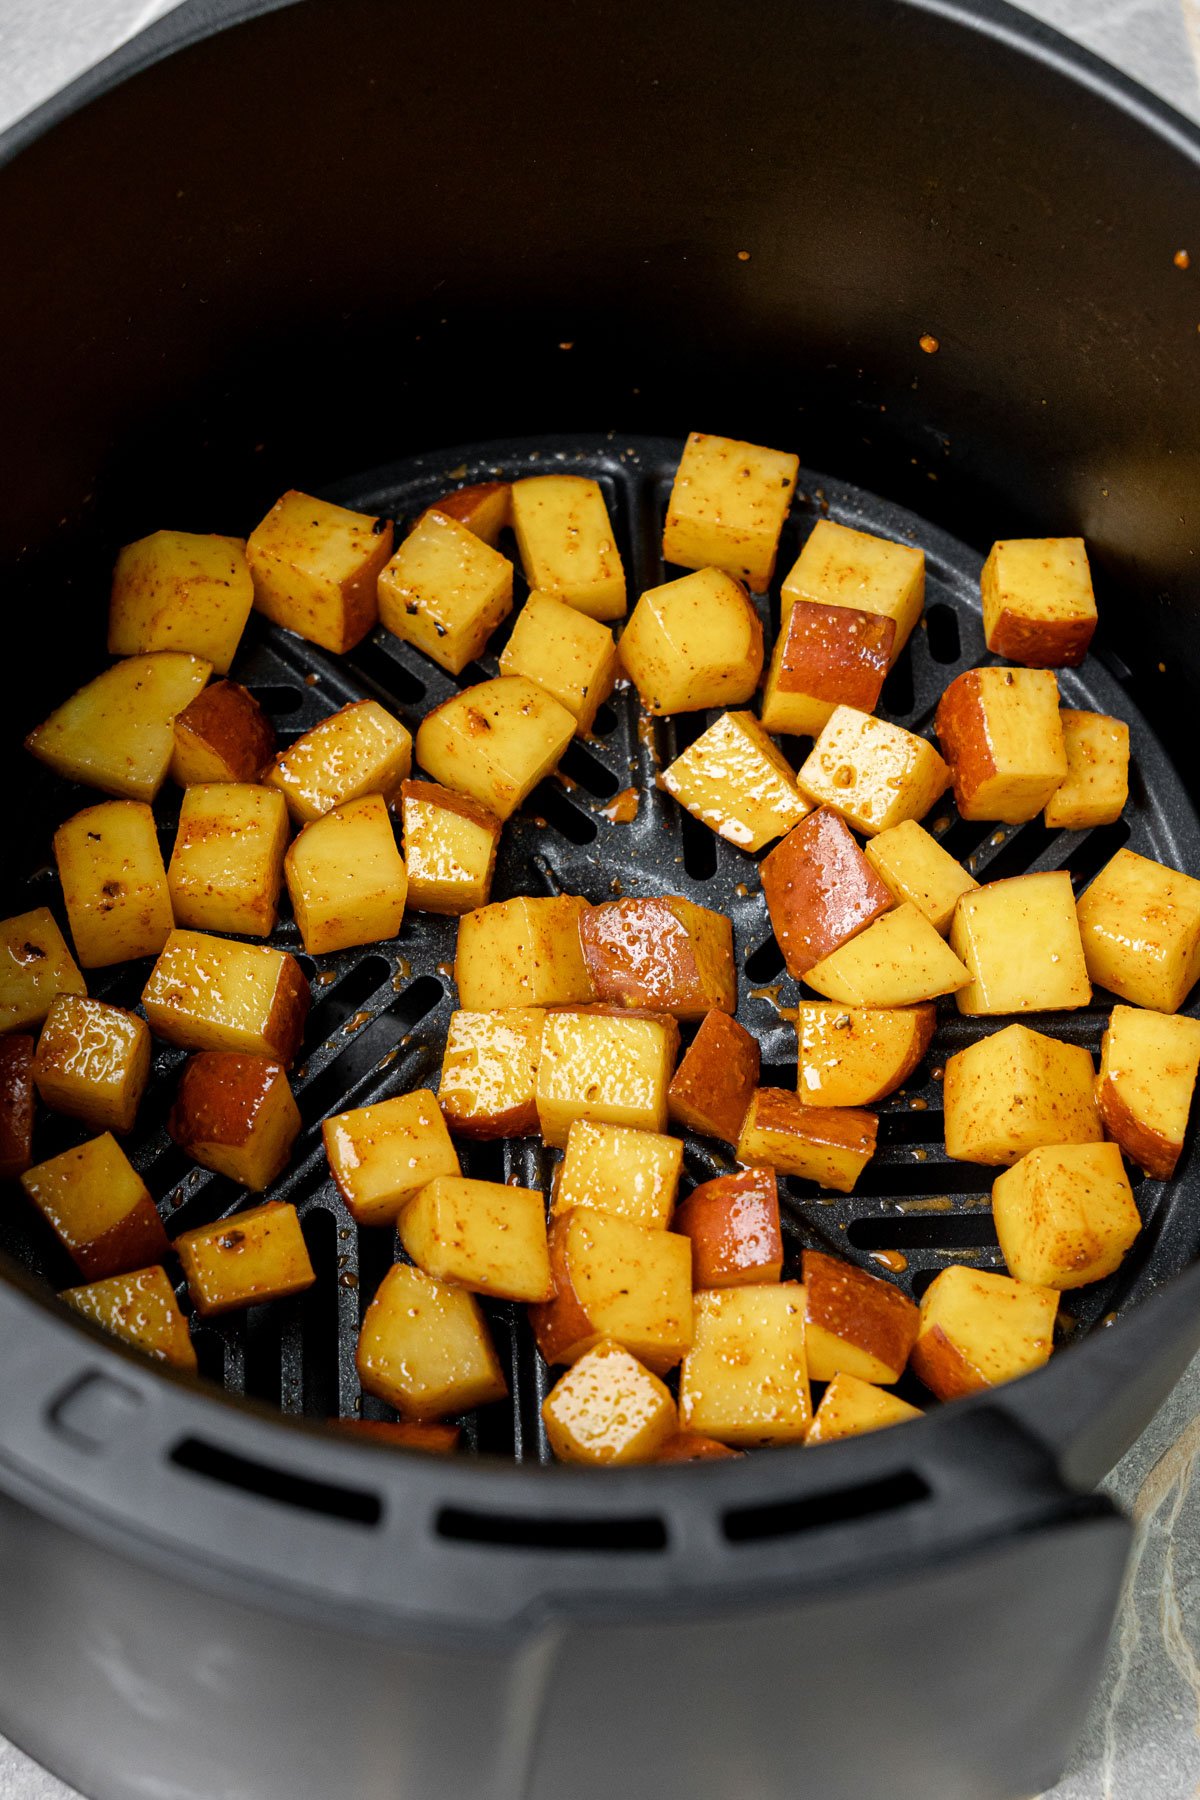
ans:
(560, 1325)
(230, 721)
(433, 794)
(1041, 643)
(693, 1446)
(220, 1096)
(848, 1127)
(405, 1434)
(733, 1223)
(136, 1242)
(836, 653)
(289, 1011)
(942, 1367)
(961, 728)
(484, 508)
(821, 890)
(518, 1121)
(712, 1086)
(638, 954)
(862, 1309)
(1150, 1150)
(16, 1106)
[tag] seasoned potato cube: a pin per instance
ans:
(745, 1379)
(1001, 733)
(608, 1409)
(425, 1349)
(207, 993)
(1140, 926)
(693, 1446)
(449, 848)
(35, 967)
(235, 1113)
(489, 1072)
(898, 961)
(484, 1235)
(875, 774)
(979, 1329)
(824, 657)
(221, 735)
(632, 1174)
(114, 885)
(566, 543)
(346, 878)
(1148, 1065)
(820, 890)
(485, 508)
(357, 751)
(734, 779)
(445, 591)
(141, 1309)
(1015, 1090)
(727, 507)
(914, 867)
(603, 1067)
(404, 1434)
(495, 742)
(315, 567)
(854, 1323)
(522, 952)
(1038, 605)
(693, 643)
(177, 590)
(854, 1055)
(93, 1061)
(733, 1223)
(842, 567)
(227, 865)
(850, 1406)
(118, 732)
(98, 1206)
(1020, 942)
(572, 656)
(242, 1261)
(664, 953)
(1097, 784)
(614, 1279)
(381, 1156)
(711, 1088)
(829, 1145)
(16, 1106)
(1065, 1214)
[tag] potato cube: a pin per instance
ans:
(118, 732)
(1038, 605)
(850, 1406)
(16, 1106)
(979, 1329)
(93, 1061)
(98, 1206)
(357, 751)
(346, 877)
(1065, 1214)
(735, 780)
(914, 867)
(141, 1309)
(445, 591)
(315, 567)
(820, 890)
(522, 952)
(227, 865)
(745, 1379)
(567, 544)
(35, 967)
(221, 735)
(664, 953)
(381, 1156)
(824, 657)
(717, 1074)
(235, 1113)
(608, 1409)
(1097, 784)
(572, 656)
(177, 590)
(898, 961)
(733, 1223)
(114, 885)
(632, 1174)
(727, 507)
(1001, 733)
(603, 1067)
(693, 643)
(495, 742)
(829, 1145)
(404, 1434)
(1140, 926)
(1015, 1090)
(489, 1072)
(842, 567)
(854, 1323)
(485, 508)
(1020, 942)
(207, 993)
(875, 774)
(449, 848)
(483, 1235)
(425, 1349)
(614, 1279)
(693, 1446)
(855, 1055)
(1148, 1065)
(242, 1261)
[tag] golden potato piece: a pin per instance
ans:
(227, 865)
(1001, 733)
(496, 741)
(609, 1068)
(717, 1074)
(522, 952)
(485, 1236)
(608, 1409)
(979, 1329)
(1038, 605)
(450, 847)
(118, 732)
(745, 1379)
(855, 1323)
(693, 643)
(206, 993)
(735, 780)
(425, 1349)
(114, 885)
(234, 1113)
(1020, 943)
(1065, 1214)
(663, 954)
(221, 735)
(485, 508)
(1148, 1065)
(733, 1224)
(98, 1207)
(1140, 926)
(875, 774)
(615, 1169)
(566, 543)
(820, 890)
(1016, 1090)
(727, 507)
(404, 1434)
(825, 657)
(489, 1072)
(855, 1055)
(35, 967)
(359, 750)
(16, 1105)
(899, 960)
(839, 566)
(614, 1279)
(1097, 783)
(141, 1309)
(914, 867)
(573, 656)
(346, 878)
(242, 1261)
(381, 1156)
(829, 1145)
(93, 1062)
(850, 1406)
(693, 1446)
(315, 567)
(445, 591)
(178, 590)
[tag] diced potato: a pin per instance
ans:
(608, 1409)
(693, 1446)
(114, 885)
(35, 967)
(1038, 605)
(820, 890)
(1020, 942)
(522, 952)
(735, 780)
(235, 1113)
(346, 878)
(425, 1349)
(93, 1062)
(449, 848)
(141, 1309)
(16, 1105)
(693, 643)
(855, 1323)
(1065, 1214)
(118, 732)
(1001, 733)
(98, 1206)
(381, 1156)
(850, 1406)
(567, 545)
(631, 1174)
(727, 507)
(227, 865)
(1140, 926)
(496, 741)
(242, 1261)
(221, 735)
(875, 774)
(489, 1072)
(572, 656)
(842, 567)
(484, 1235)
(600, 1066)
(207, 993)
(1148, 1065)
(445, 591)
(404, 1434)
(1097, 784)
(485, 508)
(663, 953)
(829, 1145)
(315, 567)
(717, 1074)
(979, 1329)
(914, 867)
(733, 1224)
(898, 961)
(614, 1279)
(824, 657)
(855, 1055)
(357, 751)
(1015, 1090)
(178, 590)
(745, 1379)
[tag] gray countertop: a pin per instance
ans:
(1142, 1739)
